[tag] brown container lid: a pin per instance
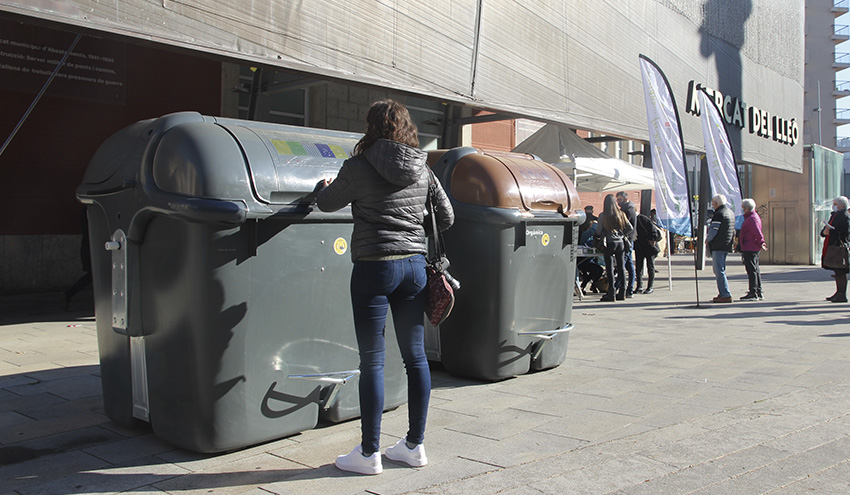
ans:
(512, 180)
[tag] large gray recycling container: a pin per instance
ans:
(222, 297)
(512, 247)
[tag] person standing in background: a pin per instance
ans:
(721, 233)
(646, 249)
(837, 231)
(629, 209)
(614, 227)
(751, 242)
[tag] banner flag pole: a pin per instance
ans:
(672, 192)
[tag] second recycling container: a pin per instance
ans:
(512, 248)
(221, 295)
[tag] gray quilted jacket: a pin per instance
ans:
(387, 186)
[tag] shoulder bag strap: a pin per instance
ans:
(432, 210)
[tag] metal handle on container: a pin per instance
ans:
(545, 337)
(335, 378)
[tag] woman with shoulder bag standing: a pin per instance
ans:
(386, 181)
(834, 256)
(614, 227)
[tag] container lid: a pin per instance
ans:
(299, 157)
(511, 180)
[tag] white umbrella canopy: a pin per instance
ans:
(593, 170)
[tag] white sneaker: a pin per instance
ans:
(414, 457)
(357, 463)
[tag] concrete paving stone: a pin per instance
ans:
(146, 490)
(711, 349)
(835, 479)
(588, 424)
(394, 479)
(112, 479)
(573, 376)
(501, 424)
(675, 414)
(833, 367)
(73, 440)
(687, 480)
(73, 387)
(706, 447)
(200, 462)
(627, 431)
(675, 386)
(519, 449)
(24, 358)
(609, 386)
(757, 382)
(754, 350)
(121, 451)
(8, 369)
(75, 360)
(764, 479)
(63, 372)
(811, 380)
(783, 390)
(564, 403)
(684, 362)
(807, 439)
(654, 350)
(234, 477)
(639, 404)
(652, 372)
(319, 451)
(43, 428)
(780, 368)
(605, 477)
(481, 402)
(657, 438)
(67, 408)
(44, 471)
(5, 398)
(10, 419)
(725, 397)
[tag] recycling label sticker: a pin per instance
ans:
(340, 246)
(545, 240)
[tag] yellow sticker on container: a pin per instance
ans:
(340, 246)
(339, 151)
(545, 240)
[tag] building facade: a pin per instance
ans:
(321, 63)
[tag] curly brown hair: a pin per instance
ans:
(388, 119)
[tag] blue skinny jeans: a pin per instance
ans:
(377, 286)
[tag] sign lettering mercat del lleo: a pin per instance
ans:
(740, 114)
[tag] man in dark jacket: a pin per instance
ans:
(629, 209)
(719, 239)
(646, 249)
(589, 218)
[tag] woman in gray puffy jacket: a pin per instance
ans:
(386, 182)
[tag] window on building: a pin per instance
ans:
(280, 101)
(428, 117)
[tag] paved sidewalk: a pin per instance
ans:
(657, 396)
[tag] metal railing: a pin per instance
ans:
(839, 30)
(842, 114)
(841, 4)
(842, 58)
(842, 85)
